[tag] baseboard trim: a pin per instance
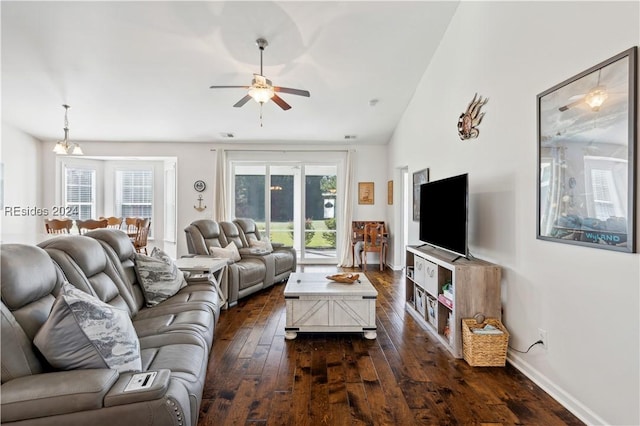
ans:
(569, 402)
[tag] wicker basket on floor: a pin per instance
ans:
(484, 350)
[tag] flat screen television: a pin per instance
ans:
(444, 214)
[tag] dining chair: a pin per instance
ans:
(58, 226)
(140, 240)
(89, 224)
(131, 225)
(113, 222)
(375, 241)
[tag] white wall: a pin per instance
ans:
(197, 161)
(369, 165)
(587, 299)
(22, 183)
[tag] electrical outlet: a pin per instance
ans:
(543, 336)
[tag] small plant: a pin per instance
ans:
(330, 237)
(308, 236)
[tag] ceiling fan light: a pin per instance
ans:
(596, 98)
(261, 94)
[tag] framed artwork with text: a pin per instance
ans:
(587, 155)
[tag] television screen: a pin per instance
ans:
(443, 214)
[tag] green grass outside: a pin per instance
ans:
(281, 233)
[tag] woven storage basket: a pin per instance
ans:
(484, 350)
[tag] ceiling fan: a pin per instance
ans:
(594, 98)
(261, 89)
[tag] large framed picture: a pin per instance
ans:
(419, 177)
(586, 157)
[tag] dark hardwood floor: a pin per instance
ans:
(404, 377)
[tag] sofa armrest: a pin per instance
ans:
(253, 252)
(56, 393)
(157, 389)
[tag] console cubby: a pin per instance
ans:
(475, 288)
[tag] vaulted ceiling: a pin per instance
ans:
(141, 71)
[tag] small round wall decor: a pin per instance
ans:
(199, 186)
(471, 118)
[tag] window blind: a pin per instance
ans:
(134, 193)
(80, 192)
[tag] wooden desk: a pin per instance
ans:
(357, 234)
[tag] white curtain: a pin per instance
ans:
(221, 192)
(344, 251)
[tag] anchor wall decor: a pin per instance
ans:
(200, 207)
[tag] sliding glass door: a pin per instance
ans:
(293, 203)
(320, 194)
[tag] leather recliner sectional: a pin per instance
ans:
(257, 269)
(175, 337)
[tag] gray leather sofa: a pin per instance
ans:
(174, 336)
(256, 270)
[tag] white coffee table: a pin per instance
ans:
(317, 304)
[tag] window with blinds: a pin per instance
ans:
(606, 179)
(134, 193)
(80, 187)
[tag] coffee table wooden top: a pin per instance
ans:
(316, 284)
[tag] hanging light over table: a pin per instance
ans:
(65, 147)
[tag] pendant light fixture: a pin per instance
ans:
(65, 147)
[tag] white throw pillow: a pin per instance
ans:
(229, 252)
(84, 332)
(263, 244)
(159, 276)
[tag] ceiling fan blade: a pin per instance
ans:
(571, 105)
(291, 91)
(242, 101)
(229, 87)
(280, 102)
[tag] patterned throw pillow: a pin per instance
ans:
(263, 244)
(159, 276)
(229, 252)
(84, 332)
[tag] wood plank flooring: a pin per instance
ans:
(404, 377)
